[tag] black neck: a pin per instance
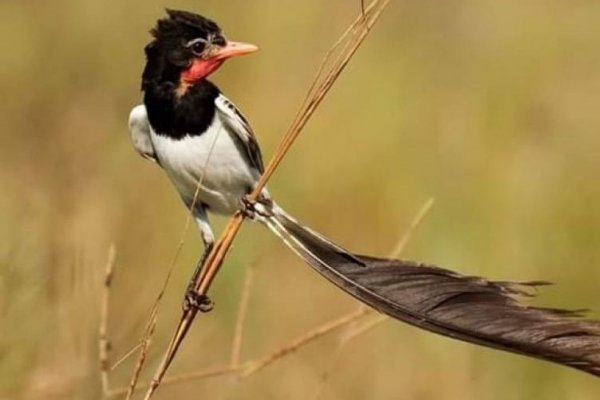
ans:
(177, 116)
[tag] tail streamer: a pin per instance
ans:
(467, 308)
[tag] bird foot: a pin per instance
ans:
(198, 301)
(253, 209)
(248, 207)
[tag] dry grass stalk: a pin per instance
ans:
(216, 257)
(328, 59)
(125, 356)
(184, 377)
(254, 366)
(145, 344)
(421, 214)
(212, 372)
(103, 341)
(250, 367)
(353, 333)
(322, 83)
(236, 346)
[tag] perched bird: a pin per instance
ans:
(210, 154)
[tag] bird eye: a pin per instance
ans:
(197, 46)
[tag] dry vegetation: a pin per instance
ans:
(490, 107)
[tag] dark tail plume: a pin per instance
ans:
(467, 308)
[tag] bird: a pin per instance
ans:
(210, 153)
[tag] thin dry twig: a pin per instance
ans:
(103, 341)
(216, 257)
(145, 344)
(398, 249)
(421, 214)
(236, 346)
(184, 377)
(125, 356)
(255, 366)
(250, 367)
(328, 57)
(207, 373)
(355, 38)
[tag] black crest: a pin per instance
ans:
(182, 26)
(167, 54)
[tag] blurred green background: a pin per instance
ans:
(491, 107)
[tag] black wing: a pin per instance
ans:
(237, 123)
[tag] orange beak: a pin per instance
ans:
(201, 68)
(233, 49)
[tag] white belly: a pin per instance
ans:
(211, 159)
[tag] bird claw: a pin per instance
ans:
(198, 301)
(248, 207)
(255, 209)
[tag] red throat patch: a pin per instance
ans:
(200, 69)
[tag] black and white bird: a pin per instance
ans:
(206, 146)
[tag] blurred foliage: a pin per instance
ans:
(489, 106)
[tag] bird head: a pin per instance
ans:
(187, 48)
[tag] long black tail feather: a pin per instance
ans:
(472, 309)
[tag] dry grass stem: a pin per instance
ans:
(234, 364)
(236, 346)
(328, 58)
(145, 344)
(250, 367)
(255, 366)
(103, 341)
(352, 333)
(421, 214)
(184, 377)
(355, 35)
(124, 357)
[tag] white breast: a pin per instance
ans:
(214, 160)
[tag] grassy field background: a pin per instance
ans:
(490, 107)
